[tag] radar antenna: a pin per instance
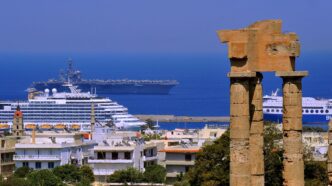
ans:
(275, 93)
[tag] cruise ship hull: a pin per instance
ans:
(110, 88)
(306, 119)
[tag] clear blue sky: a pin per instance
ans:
(151, 26)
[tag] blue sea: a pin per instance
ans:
(203, 88)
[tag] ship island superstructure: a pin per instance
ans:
(314, 110)
(112, 86)
(53, 109)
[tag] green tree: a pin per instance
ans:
(155, 174)
(22, 172)
(273, 155)
(86, 173)
(15, 181)
(44, 178)
(84, 182)
(68, 173)
(129, 175)
(212, 164)
(148, 137)
(315, 173)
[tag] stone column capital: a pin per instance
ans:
(241, 74)
(292, 74)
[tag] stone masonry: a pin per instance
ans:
(293, 173)
(262, 47)
(239, 129)
(256, 140)
(329, 154)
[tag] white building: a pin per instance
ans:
(118, 150)
(51, 149)
(317, 143)
(177, 158)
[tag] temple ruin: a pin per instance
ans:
(262, 47)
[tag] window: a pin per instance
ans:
(38, 165)
(187, 168)
(277, 110)
(316, 111)
(326, 111)
(50, 165)
(101, 155)
(25, 164)
(311, 111)
(321, 111)
(268, 110)
(188, 157)
(272, 110)
(127, 155)
(115, 155)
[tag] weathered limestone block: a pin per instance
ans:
(329, 154)
(239, 110)
(256, 140)
(257, 116)
(292, 111)
(293, 172)
(239, 129)
(240, 165)
(255, 127)
(261, 47)
(292, 143)
(292, 99)
(292, 123)
(256, 155)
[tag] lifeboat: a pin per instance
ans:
(60, 126)
(4, 126)
(30, 126)
(46, 126)
(75, 126)
(86, 135)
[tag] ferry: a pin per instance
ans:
(314, 110)
(68, 110)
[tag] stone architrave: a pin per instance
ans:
(261, 47)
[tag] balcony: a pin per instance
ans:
(36, 157)
(172, 174)
(179, 162)
(151, 158)
(102, 172)
(7, 162)
(110, 161)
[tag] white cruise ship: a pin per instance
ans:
(313, 110)
(62, 109)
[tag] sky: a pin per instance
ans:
(151, 26)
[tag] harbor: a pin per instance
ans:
(183, 119)
(167, 93)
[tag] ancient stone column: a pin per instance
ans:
(256, 139)
(293, 172)
(329, 154)
(239, 128)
